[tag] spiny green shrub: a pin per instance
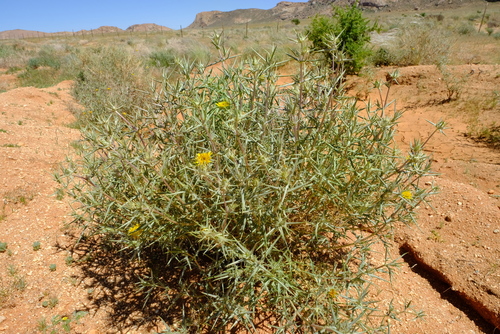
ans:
(455, 84)
(348, 30)
(263, 202)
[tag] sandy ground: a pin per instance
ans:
(451, 272)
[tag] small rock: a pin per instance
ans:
(459, 203)
(491, 192)
(447, 218)
(93, 331)
(496, 231)
(2, 318)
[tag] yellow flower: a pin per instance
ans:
(204, 158)
(407, 195)
(223, 104)
(64, 318)
(333, 293)
(134, 231)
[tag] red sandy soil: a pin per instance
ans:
(452, 273)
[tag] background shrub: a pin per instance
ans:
(348, 31)
(14, 54)
(418, 43)
(382, 57)
(50, 66)
(466, 29)
(110, 78)
(6, 51)
(162, 58)
(46, 57)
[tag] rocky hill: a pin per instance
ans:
(147, 27)
(19, 33)
(286, 10)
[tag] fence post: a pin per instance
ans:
(482, 19)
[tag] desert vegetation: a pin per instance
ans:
(269, 198)
(237, 169)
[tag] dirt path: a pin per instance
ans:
(459, 236)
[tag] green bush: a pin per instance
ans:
(382, 57)
(35, 63)
(162, 58)
(50, 67)
(466, 29)
(46, 57)
(110, 78)
(42, 77)
(490, 134)
(348, 31)
(14, 55)
(262, 202)
(6, 51)
(420, 44)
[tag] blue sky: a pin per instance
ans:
(58, 15)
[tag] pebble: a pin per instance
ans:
(2, 318)
(496, 231)
(491, 192)
(93, 331)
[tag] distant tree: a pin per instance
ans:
(296, 21)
